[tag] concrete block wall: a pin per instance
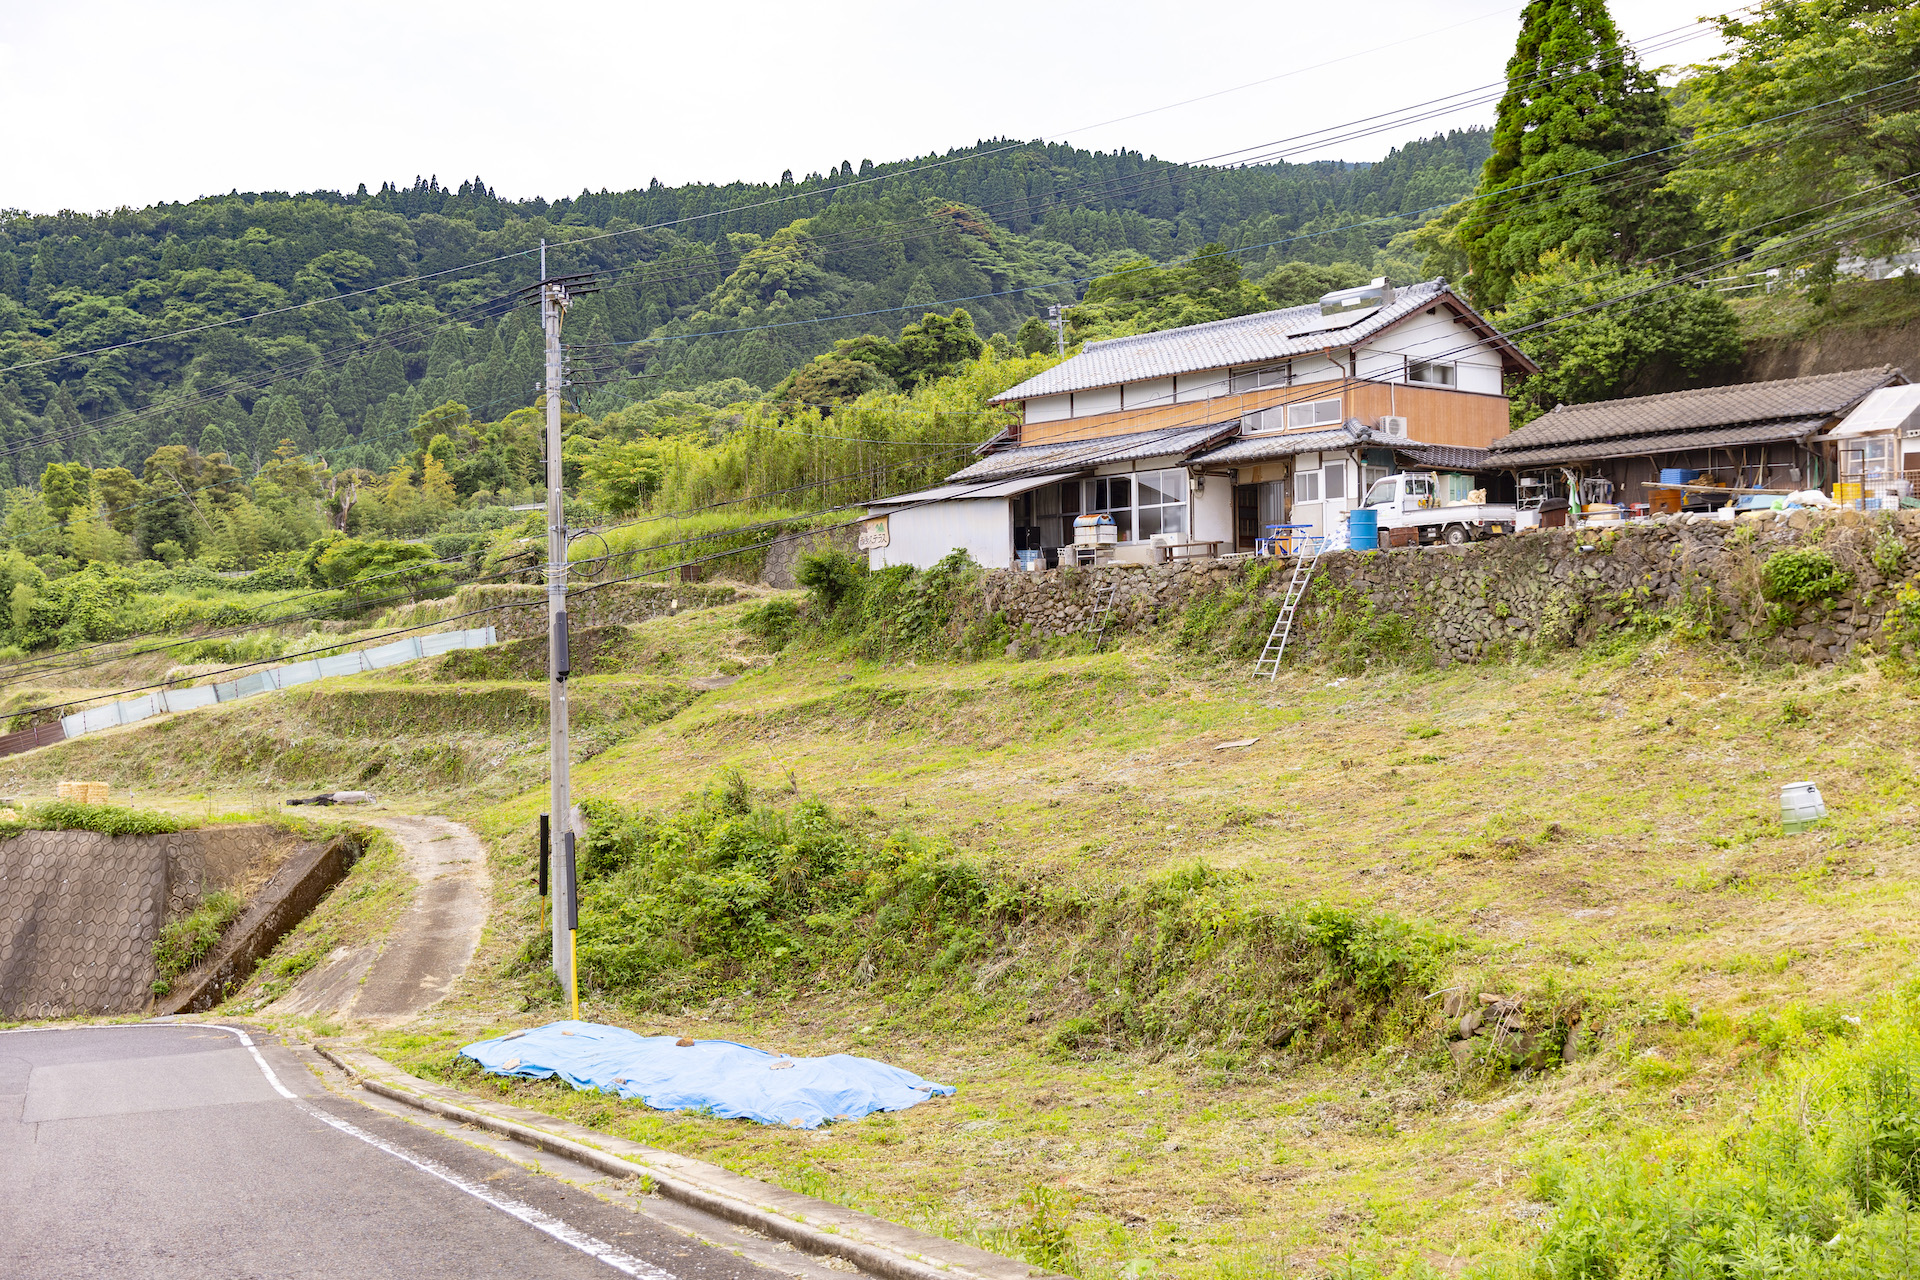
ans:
(79, 911)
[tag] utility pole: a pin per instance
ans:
(1058, 322)
(555, 295)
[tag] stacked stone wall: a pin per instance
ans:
(1546, 588)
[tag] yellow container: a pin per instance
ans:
(1848, 491)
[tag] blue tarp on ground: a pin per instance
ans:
(733, 1080)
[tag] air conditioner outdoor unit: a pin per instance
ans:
(1394, 427)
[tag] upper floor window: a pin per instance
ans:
(1266, 375)
(1314, 413)
(1432, 372)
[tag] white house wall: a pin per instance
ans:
(1087, 404)
(1147, 395)
(1211, 512)
(923, 536)
(1434, 337)
(1048, 408)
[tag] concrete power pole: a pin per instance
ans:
(556, 294)
(1057, 320)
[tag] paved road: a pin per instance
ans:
(173, 1151)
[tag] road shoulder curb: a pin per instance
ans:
(873, 1244)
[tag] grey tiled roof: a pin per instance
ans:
(1445, 457)
(1820, 396)
(1352, 434)
(1287, 444)
(1667, 442)
(1270, 335)
(1075, 455)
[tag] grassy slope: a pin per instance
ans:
(1855, 304)
(1599, 830)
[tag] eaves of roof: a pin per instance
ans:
(1666, 442)
(1079, 455)
(1824, 395)
(1243, 340)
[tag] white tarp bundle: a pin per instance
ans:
(161, 701)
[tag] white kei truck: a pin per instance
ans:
(1410, 500)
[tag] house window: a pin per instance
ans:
(1268, 375)
(1370, 478)
(1328, 482)
(1162, 502)
(1431, 372)
(1314, 413)
(1114, 496)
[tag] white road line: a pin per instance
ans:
(540, 1221)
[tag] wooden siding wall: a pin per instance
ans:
(1435, 415)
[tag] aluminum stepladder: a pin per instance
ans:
(1102, 611)
(1306, 554)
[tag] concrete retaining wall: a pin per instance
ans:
(295, 889)
(79, 912)
(1550, 588)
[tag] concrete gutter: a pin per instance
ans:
(874, 1245)
(295, 889)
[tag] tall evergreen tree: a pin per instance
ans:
(1577, 107)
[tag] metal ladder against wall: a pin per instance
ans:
(1103, 598)
(1268, 664)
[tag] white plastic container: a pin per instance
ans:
(1800, 806)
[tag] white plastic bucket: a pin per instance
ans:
(1801, 805)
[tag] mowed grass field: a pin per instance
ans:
(1597, 832)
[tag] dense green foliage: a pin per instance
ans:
(184, 942)
(1627, 335)
(726, 893)
(1008, 226)
(1577, 108)
(1779, 157)
(107, 819)
(1802, 576)
(1819, 1177)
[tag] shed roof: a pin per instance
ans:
(1611, 428)
(1242, 340)
(1669, 442)
(963, 492)
(1888, 409)
(1078, 455)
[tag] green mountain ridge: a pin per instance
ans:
(702, 283)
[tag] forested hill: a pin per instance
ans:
(703, 283)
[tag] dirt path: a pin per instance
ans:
(416, 964)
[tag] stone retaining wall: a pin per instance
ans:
(1550, 588)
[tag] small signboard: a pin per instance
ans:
(873, 534)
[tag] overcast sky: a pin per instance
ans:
(110, 104)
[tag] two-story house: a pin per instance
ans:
(1210, 433)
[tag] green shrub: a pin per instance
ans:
(1802, 576)
(1818, 1178)
(183, 942)
(830, 576)
(678, 908)
(107, 819)
(772, 623)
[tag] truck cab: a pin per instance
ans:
(1403, 494)
(1435, 507)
